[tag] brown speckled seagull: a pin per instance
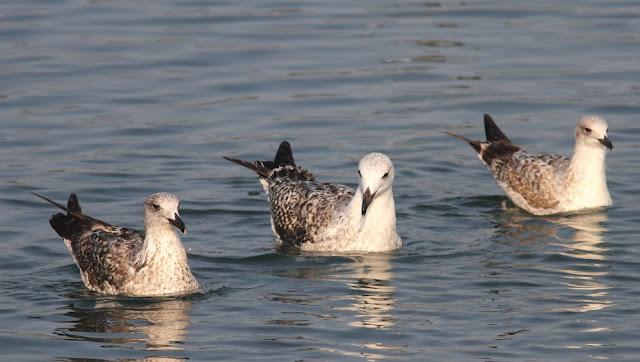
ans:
(327, 217)
(545, 184)
(115, 260)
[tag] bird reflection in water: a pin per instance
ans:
(371, 297)
(586, 247)
(372, 292)
(156, 325)
(368, 303)
(584, 264)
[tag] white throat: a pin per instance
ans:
(161, 237)
(376, 230)
(586, 176)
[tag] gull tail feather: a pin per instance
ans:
(73, 205)
(61, 222)
(284, 157)
(65, 225)
(493, 133)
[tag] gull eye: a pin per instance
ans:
(385, 175)
(587, 129)
(156, 206)
(359, 174)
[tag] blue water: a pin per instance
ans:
(115, 100)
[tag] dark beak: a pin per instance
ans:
(177, 222)
(367, 197)
(607, 143)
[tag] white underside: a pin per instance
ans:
(361, 244)
(572, 201)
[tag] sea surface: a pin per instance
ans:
(115, 100)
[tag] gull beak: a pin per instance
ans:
(606, 142)
(367, 197)
(177, 222)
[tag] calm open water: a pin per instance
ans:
(115, 100)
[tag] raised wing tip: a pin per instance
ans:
(454, 135)
(284, 156)
(73, 205)
(49, 201)
(474, 144)
(250, 165)
(493, 132)
(41, 197)
(235, 160)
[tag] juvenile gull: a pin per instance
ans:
(116, 260)
(544, 184)
(328, 217)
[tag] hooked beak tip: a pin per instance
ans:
(178, 223)
(607, 143)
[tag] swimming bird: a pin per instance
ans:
(326, 217)
(545, 184)
(116, 260)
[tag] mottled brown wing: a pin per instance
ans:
(107, 256)
(302, 209)
(534, 177)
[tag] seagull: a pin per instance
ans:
(545, 184)
(326, 217)
(119, 261)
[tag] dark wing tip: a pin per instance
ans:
(257, 167)
(284, 156)
(50, 201)
(493, 133)
(240, 162)
(73, 205)
(474, 144)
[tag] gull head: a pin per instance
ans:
(162, 209)
(376, 176)
(591, 131)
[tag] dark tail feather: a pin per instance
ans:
(284, 156)
(73, 205)
(474, 144)
(246, 164)
(65, 224)
(494, 134)
(61, 223)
